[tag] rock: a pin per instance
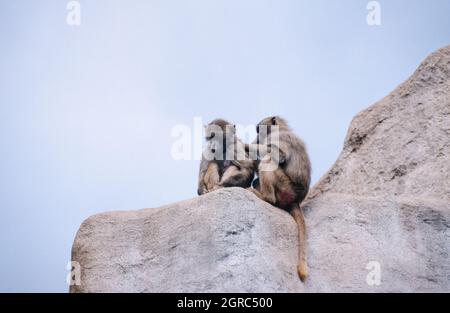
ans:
(383, 208)
(400, 146)
(407, 237)
(226, 241)
(387, 197)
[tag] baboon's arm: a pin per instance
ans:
(212, 177)
(256, 150)
(237, 177)
(237, 164)
(259, 151)
(201, 188)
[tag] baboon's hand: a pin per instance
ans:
(237, 164)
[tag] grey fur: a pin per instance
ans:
(292, 158)
(234, 168)
(287, 183)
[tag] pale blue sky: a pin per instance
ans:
(86, 112)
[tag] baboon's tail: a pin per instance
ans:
(302, 267)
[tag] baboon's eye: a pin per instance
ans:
(211, 136)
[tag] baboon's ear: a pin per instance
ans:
(274, 120)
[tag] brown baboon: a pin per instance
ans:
(224, 161)
(284, 174)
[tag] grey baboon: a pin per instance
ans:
(284, 174)
(224, 160)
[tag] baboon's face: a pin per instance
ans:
(216, 134)
(213, 150)
(219, 130)
(263, 128)
(266, 126)
(213, 137)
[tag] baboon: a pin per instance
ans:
(284, 174)
(224, 160)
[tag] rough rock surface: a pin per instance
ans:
(226, 241)
(386, 200)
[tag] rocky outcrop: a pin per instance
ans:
(383, 211)
(226, 241)
(387, 198)
(400, 146)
